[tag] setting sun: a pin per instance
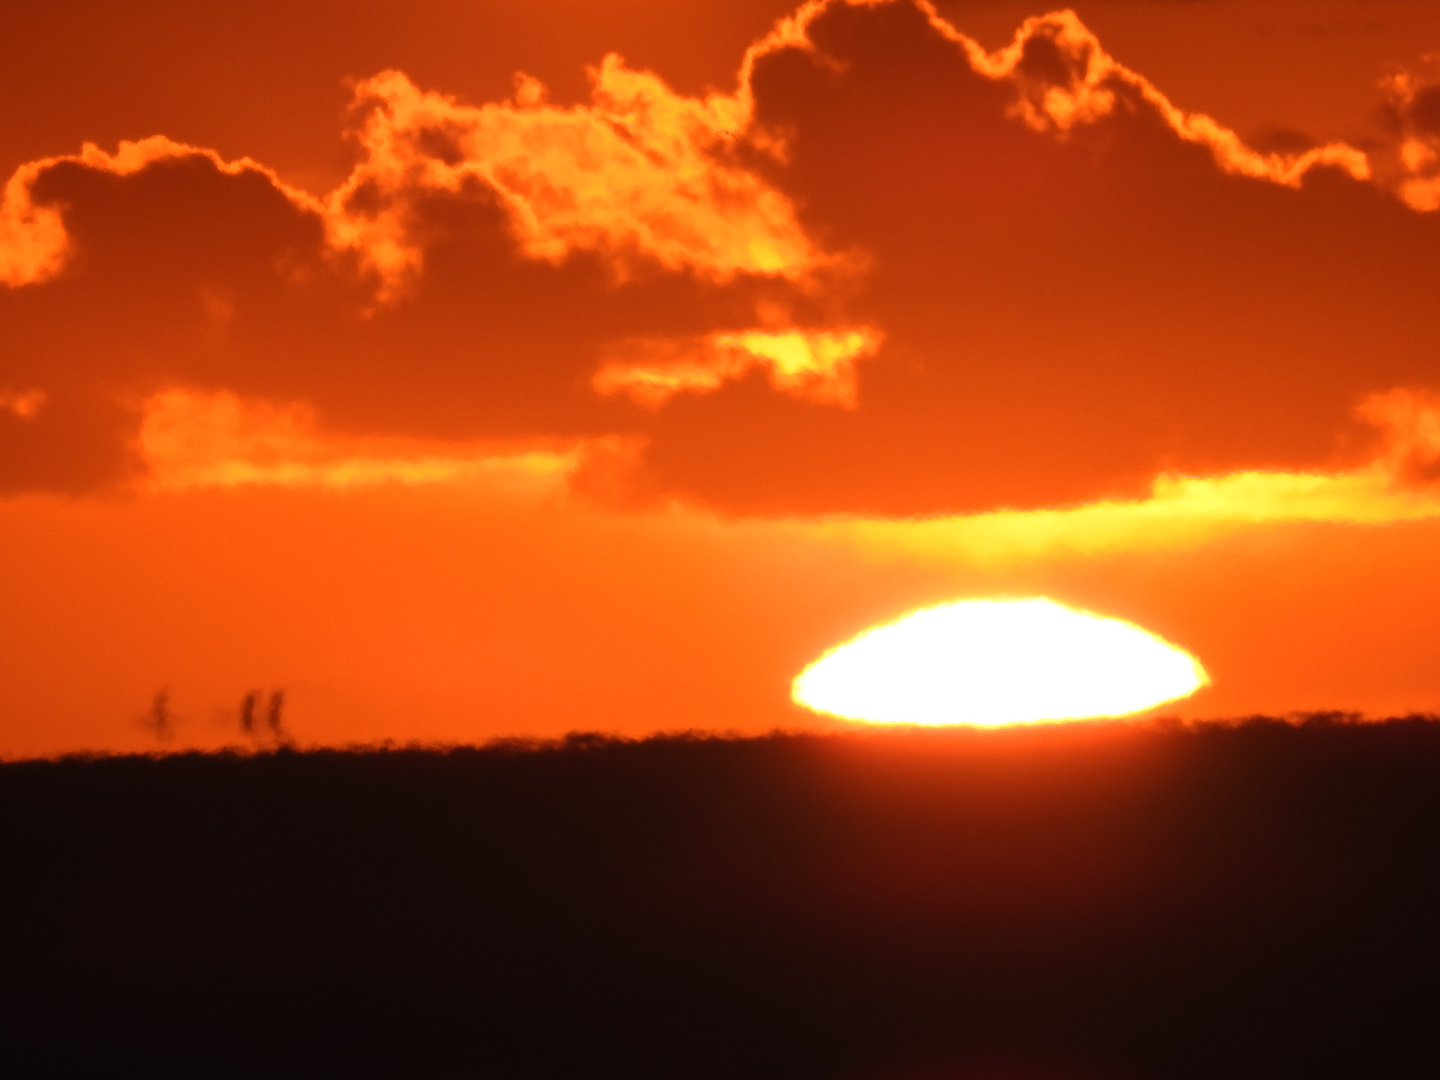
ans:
(994, 662)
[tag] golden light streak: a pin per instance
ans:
(192, 440)
(992, 662)
(816, 365)
(1182, 512)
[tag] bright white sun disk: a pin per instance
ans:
(998, 662)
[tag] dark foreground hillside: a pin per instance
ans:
(1253, 901)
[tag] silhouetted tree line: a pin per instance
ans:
(1094, 901)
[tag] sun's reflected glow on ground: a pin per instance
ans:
(993, 662)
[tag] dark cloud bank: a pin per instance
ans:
(1252, 901)
(1064, 315)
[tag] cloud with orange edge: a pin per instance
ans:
(645, 172)
(1411, 111)
(34, 244)
(730, 195)
(641, 174)
(1064, 78)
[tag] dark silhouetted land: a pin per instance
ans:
(1260, 900)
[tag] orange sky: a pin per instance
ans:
(338, 357)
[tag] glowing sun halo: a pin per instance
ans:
(997, 662)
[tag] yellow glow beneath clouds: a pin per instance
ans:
(997, 662)
(196, 440)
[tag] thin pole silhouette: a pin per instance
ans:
(273, 717)
(160, 719)
(247, 712)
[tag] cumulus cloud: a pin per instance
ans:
(1014, 278)
(1411, 112)
(1409, 420)
(1094, 284)
(641, 173)
(33, 241)
(32, 238)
